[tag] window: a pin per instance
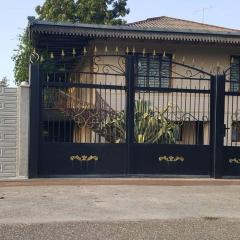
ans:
(235, 74)
(236, 131)
(153, 71)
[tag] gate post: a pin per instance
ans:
(130, 107)
(217, 126)
(35, 98)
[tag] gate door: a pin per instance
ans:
(78, 106)
(172, 118)
(231, 148)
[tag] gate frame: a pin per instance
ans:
(216, 116)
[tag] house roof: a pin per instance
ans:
(162, 28)
(175, 24)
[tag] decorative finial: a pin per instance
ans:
(42, 59)
(144, 51)
(74, 52)
(106, 49)
(95, 49)
(133, 51)
(154, 52)
(84, 51)
(52, 55)
(183, 59)
(127, 50)
(164, 54)
(117, 49)
(62, 53)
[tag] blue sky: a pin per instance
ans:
(13, 19)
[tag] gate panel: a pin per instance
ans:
(171, 159)
(77, 107)
(82, 158)
(231, 148)
(172, 121)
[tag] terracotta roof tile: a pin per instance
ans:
(175, 24)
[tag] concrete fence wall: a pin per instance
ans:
(8, 132)
(14, 127)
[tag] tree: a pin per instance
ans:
(84, 11)
(4, 82)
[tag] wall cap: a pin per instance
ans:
(24, 84)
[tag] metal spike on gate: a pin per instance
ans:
(117, 49)
(106, 49)
(133, 51)
(74, 52)
(84, 51)
(183, 59)
(154, 53)
(144, 51)
(95, 49)
(42, 59)
(211, 69)
(62, 53)
(52, 55)
(127, 50)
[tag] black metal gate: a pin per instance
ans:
(121, 115)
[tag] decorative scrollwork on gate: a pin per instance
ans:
(234, 160)
(171, 158)
(34, 57)
(118, 67)
(84, 158)
(189, 72)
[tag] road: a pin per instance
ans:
(120, 212)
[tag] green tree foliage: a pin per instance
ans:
(21, 58)
(57, 10)
(4, 82)
(84, 11)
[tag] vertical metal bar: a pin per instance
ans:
(130, 107)
(217, 120)
(227, 125)
(35, 122)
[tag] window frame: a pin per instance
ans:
(232, 82)
(159, 77)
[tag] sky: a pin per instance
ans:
(13, 19)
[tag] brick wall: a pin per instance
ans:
(8, 132)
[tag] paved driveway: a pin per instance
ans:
(120, 212)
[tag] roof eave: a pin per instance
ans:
(96, 30)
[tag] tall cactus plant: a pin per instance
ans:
(149, 126)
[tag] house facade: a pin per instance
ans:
(143, 98)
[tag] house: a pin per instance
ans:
(145, 84)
